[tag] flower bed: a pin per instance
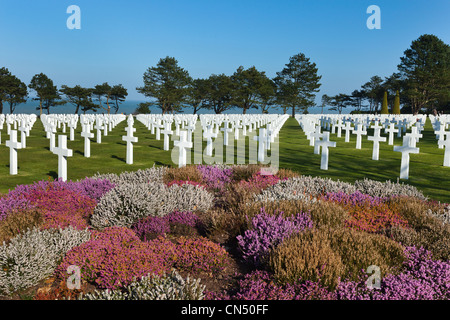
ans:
(222, 232)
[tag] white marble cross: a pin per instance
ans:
(23, 133)
(391, 130)
(130, 139)
(359, 133)
(261, 142)
(208, 134)
(62, 153)
(446, 143)
(376, 138)
(87, 134)
(225, 130)
(347, 128)
(324, 144)
(405, 149)
(315, 136)
(167, 131)
(13, 146)
(183, 144)
(414, 135)
(99, 127)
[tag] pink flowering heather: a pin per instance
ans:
(21, 198)
(216, 178)
(115, 256)
(259, 181)
(260, 285)
(62, 207)
(149, 227)
(196, 255)
(368, 213)
(422, 279)
(268, 231)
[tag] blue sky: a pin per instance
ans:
(119, 40)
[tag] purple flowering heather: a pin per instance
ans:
(422, 279)
(19, 198)
(268, 231)
(185, 218)
(216, 178)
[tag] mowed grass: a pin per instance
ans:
(346, 163)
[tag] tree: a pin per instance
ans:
(219, 93)
(425, 68)
(396, 108)
(12, 90)
(196, 94)
(246, 87)
(339, 102)
(358, 97)
(373, 92)
(167, 83)
(118, 95)
(297, 83)
(100, 91)
(267, 94)
(143, 108)
(47, 93)
(80, 97)
(384, 107)
(325, 101)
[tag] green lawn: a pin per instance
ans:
(346, 163)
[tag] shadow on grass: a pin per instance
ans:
(52, 174)
(118, 158)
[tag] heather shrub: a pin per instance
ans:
(387, 189)
(112, 258)
(367, 213)
(215, 177)
(422, 278)
(186, 173)
(128, 203)
(285, 174)
(197, 255)
(359, 250)
(244, 172)
(303, 188)
(62, 207)
(176, 222)
(33, 255)
(267, 231)
(323, 213)
(153, 287)
(181, 182)
(309, 256)
(258, 181)
(14, 224)
(151, 227)
(149, 175)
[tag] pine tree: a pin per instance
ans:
(396, 108)
(384, 107)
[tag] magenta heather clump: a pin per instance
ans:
(422, 279)
(267, 231)
(150, 227)
(21, 198)
(215, 177)
(260, 285)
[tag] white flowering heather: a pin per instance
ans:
(127, 203)
(303, 188)
(154, 174)
(386, 189)
(153, 287)
(442, 215)
(34, 255)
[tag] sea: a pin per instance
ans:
(129, 106)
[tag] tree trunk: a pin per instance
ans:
(293, 112)
(40, 106)
(77, 109)
(1, 107)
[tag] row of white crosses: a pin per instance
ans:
(312, 124)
